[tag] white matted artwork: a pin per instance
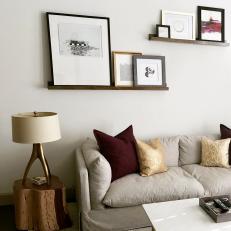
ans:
(182, 24)
(149, 70)
(123, 68)
(80, 49)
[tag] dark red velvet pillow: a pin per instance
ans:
(120, 152)
(226, 133)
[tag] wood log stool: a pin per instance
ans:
(41, 207)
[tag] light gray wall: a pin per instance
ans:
(199, 78)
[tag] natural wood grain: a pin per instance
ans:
(40, 208)
(197, 42)
(80, 87)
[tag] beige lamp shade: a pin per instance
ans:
(35, 127)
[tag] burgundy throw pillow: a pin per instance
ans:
(120, 152)
(226, 133)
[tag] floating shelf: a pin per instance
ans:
(198, 42)
(51, 86)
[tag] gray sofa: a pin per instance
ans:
(103, 205)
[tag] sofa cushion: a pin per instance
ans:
(226, 133)
(120, 152)
(151, 157)
(171, 148)
(99, 173)
(216, 181)
(90, 151)
(215, 153)
(134, 189)
(190, 149)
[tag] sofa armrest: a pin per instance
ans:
(82, 184)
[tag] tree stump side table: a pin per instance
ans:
(41, 207)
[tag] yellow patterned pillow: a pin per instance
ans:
(215, 153)
(151, 157)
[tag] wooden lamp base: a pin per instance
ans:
(42, 207)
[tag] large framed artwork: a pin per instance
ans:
(80, 49)
(182, 25)
(123, 68)
(211, 24)
(149, 70)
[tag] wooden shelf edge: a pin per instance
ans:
(89, 87)
(153, 37)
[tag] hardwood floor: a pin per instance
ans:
(7, 218)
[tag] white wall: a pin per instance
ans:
(199, 78)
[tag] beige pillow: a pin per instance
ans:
(215, 153)
(151, 157)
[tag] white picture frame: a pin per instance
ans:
(80, 49)
(183, 25)
(123, 68)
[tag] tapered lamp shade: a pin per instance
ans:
(35, 127)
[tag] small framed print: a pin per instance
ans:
(211, 24)
(182, 25)
(123, 68)
(80, 49)
(149, 70)
(163, 31)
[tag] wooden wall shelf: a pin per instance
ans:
(79, 87)
(198, 42)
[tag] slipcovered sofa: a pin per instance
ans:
(103, 205)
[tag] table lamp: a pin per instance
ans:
(36, 128)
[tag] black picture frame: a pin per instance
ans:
(80, 16)
(149, 57)
(165, 26)
(199, 12)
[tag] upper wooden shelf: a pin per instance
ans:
(199, 42)
(51, 86)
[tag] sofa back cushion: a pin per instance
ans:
(99, 172)
(190, 149)
(171, 149)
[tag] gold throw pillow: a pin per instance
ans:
(215, 153)
(151, 157)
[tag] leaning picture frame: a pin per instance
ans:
(80, 49)
(163, 31)
(123, 68)
(182, 25)
(211, 24)
(149, 70)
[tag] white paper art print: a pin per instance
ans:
(80, 39)
(182, 25)
(123, 68)
(149, 70)
(80, 49)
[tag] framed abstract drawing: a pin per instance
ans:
(182, 25)
(149, 70)
(211, 24)
(80, 49)
(123, 68)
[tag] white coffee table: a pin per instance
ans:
(182, 215)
